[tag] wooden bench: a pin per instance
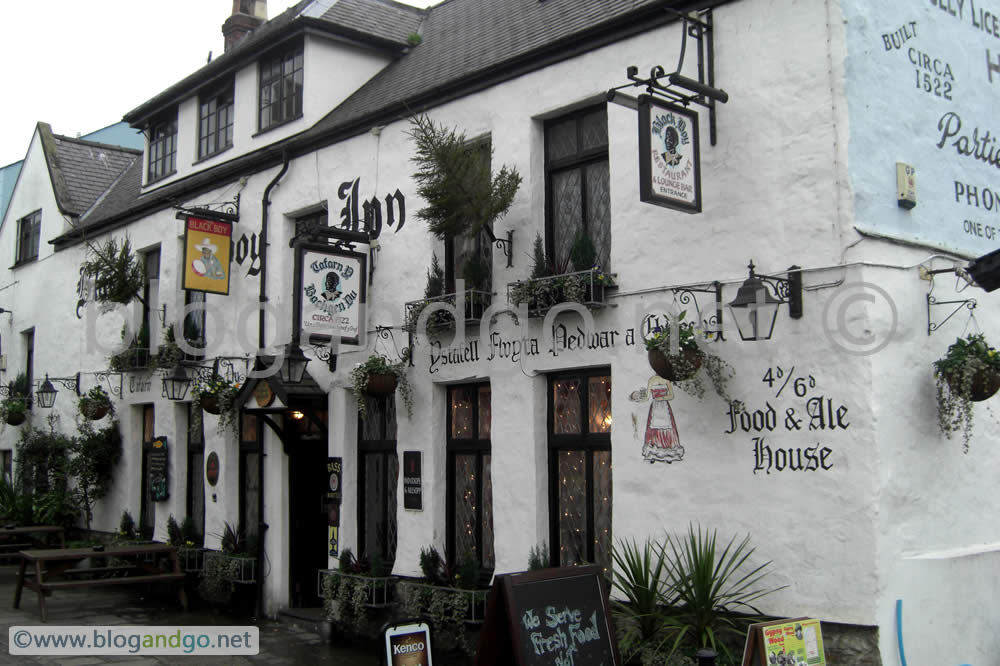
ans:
(46, 570)
(15, 539)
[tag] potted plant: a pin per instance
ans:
(357, 585)
(217, 396)
(95, 404)
(968, 372)
(169, 353)
(135, 356)
(679, 364)
(14, 408)
(377, 376)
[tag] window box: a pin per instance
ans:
(542, 294)
(379, 591)
(443, 604)
(476, 303)
(230, 567)
(191, 559)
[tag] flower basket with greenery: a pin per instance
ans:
(14, 408)
(552, 283)
(377, 376)
(189, 550)
(686, 362)
(235, 563)
(95, 404)
(217, 396)
(969, 372)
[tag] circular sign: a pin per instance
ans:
(334, 482)
(263, 394)
(212, 468)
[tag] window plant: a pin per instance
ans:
(95, 404)
(968, 372)
(377, 376)
(359, 583)
(169, 353)
(136, 355)
(217, 395)
(236, 563)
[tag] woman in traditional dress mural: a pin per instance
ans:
(662, 442)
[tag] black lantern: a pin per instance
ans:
(293, 365)
(176, 384)
(46, 394)
(755, 307)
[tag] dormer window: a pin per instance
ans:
(280, 88)
(215, 122)
(162, 148)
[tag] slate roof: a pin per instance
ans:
(81, 171)
(466, 45)
(385, 19)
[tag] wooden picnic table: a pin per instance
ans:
(46, 570)
(22, 537)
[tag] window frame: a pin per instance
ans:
(267, 77)
(161, 153)
(195, 449)
(26, 249)
(479, 447)
(214, 107)
(387, 448)
(585, 441)
(250, 445)
(147, 507)
(483, 246)
(579, 160)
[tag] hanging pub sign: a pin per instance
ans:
(329, 293)
(669, 159)
(158, 470)
(206, 255)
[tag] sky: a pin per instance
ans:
(80, 65)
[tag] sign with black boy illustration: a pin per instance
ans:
(330, 293)
(669, 159)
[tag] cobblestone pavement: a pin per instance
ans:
(281, 642)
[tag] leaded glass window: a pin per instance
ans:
(281, 80)
(578, 182)
(470, 482)
(580, 468)
(378, 477)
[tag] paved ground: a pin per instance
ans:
(284, 642)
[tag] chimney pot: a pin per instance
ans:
(247, 16)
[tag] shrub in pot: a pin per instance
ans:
(968, 372)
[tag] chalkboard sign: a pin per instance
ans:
(550, 617)
(158, 470)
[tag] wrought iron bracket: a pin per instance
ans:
(225, 367)
(711, 323)
(787, 290)
(385, 333)
(71, 383)
(674, 86)
(968, 303)
(224, 211)
(505, 244)
(105, 377)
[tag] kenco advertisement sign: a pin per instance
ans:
(669, 159)
(408, 644)
(330, 291)
(206, 255)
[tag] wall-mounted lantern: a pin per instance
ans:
(176, 383)
(293, 365)
(755, 307)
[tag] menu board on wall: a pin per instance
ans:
(158, 491)
(922, 84)
(551, 617)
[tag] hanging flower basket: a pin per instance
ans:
(677, 367)
(96, 412)
(14, 418)
(210, 404)
(985, 383)
(381, 384)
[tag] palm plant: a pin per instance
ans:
(711, 591)
(641, 574)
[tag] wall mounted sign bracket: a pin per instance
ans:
(711, 324)
(505, 244)
(968, 303)
(223, 211)
(674, 86)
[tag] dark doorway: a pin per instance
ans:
(307, 487)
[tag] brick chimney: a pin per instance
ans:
(247, 16)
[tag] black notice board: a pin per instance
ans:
(412, 487)
(158, 491)
(552, 616)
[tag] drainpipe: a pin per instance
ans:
(265, 204)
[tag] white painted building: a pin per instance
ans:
(836, 468)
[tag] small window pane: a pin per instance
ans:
(561, 139)
(566, 407)
(595, 129)
(484, 412)
(489, 555)
(462, 413)
(572, 508)
(567, 214)
(599, 403)
(602, 508)
(465, 507)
